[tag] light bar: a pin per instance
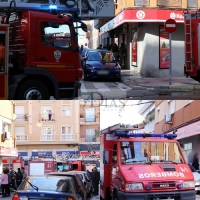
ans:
(53, 7)
(144, 135)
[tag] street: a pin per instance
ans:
(133, 87)
(92, 198)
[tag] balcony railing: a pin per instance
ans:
(21, 137)
(47, 137)
(21, 117)
(170, 3)
(142, 2)
(192, 3)
(46, 117)
(66, 137)
(83, 120)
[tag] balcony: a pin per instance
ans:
(21, 137)
(47, 137)
(65, 137)
(83, 121)
(46, 118)
(170, 3)
(21, 118)
(192, 3)
(142, 2)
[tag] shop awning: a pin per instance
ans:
(127, 16)
(21, 154)
(66, 152)
(8, 152)
(41, 153)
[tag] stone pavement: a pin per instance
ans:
(133, 79)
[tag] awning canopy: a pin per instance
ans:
(8, 152)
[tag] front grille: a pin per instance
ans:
(102, 69)
(168, 168)
(163, 185)
(164, 196)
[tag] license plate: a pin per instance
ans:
(103, 72)
(164, 199)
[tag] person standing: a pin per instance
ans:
(24, 175)
(13, 178)
(195, 162)
(19, 177)
(4, 183)
(95, 180)
(50, 114)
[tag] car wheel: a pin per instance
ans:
(85, 77)
(33, 90)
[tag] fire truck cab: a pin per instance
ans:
(143, 166)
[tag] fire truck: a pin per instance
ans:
(192, 44)
(143, 166)
(36, 62)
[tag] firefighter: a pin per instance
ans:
(122, 55)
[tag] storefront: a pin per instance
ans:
(189, 138)
(89, 149)
(146, 41)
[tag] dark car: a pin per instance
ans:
(83, 54)
(80, 188)
(101, 64)
(45, 187)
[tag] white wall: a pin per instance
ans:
(148, 51)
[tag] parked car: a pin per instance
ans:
(101, 64)
(86, 180)
(45, 187)
(77, 181)
(196, 175)
(83, 54)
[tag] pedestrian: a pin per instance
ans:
(50, 114)
(19, 177)
(89, 173)
(95, 180)
(104, 48)
(24, 175)
(13, 178)
(9, 182)
(4, 183)
(99, 47)
(195, 162)
(122, 55)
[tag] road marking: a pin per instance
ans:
(83, 88)
(101, 87)
(123, 87)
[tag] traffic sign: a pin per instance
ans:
(170, 25)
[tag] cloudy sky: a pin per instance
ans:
(114, 112)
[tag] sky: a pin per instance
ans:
(111, 113)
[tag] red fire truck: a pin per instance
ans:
(143, 166)
(34, 63)
(192, 44)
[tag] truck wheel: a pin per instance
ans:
(33, 90)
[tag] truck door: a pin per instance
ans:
(55, 52)
(4, 37)
(114, 168)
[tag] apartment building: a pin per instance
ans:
(89, 127)
(139, 24)
(181, 117)
(46, 128)
(7, 139)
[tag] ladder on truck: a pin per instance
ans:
(84, 9)
(188, 42)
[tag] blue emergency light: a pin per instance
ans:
(145, 135)
(53, 7)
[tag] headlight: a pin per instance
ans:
(134, 186)
(188, 184)
(88, 67)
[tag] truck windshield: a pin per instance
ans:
(150, 152)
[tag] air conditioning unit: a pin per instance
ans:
(168, 118)
(115, 2)
(7, 135)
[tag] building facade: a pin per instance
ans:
(146, 108)
(47, 128)
(182, 118)
(89, 127)
(139, 24)
(7, 141)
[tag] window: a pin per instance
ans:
(46, 130)
(46, 110)
(114, 158)
(90, 135)
(90, 115)
(56, 37)
(66, 130)
(66, 110)
(19, 111)
(187, 148)
(171, 106)
(19, 131)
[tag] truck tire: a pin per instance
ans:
(33, 90)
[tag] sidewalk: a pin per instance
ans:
(178, 83)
